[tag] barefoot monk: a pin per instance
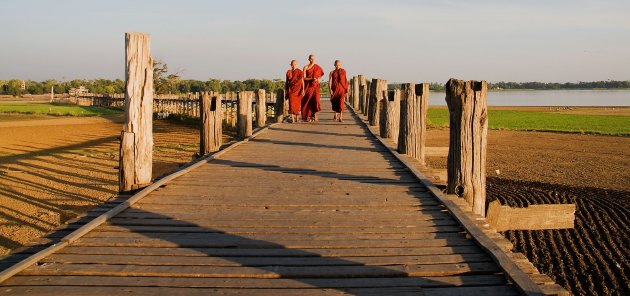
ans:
(338, 86)
(310, 101)
(294, 89)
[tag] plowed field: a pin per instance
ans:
(590, 171)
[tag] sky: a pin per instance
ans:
(398, 40)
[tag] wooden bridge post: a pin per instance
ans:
(467, 105)
(413, 120)
(280, 105)
(376, 100)
(211, 123)
(368, 90)
(355, 93)
(261, 108)
(362, 94)
(136, 141)
(390, 120)
(244, 120)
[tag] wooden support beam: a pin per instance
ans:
(211, 130)
(390, 120)
(261, 108)
(244, 120)
(413, 120)
(136, 145)
(533, 217)
(467, 105)
(376, 100)
(363, 90)
(368, 89)
(355, 92)
(280, 106)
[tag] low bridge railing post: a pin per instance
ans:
(244, 120)
(211, 130)
(413, 120)
(467, 105)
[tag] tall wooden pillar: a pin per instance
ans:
(136, 143)
(376, 100)
(413, 120)
(390, 119)
(355, 92)
(280, 105)
(467, 105)
(211, 132)
(261, 108)
(367, 91)
(363, 91)
(244, 120)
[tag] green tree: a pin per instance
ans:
(14, 88)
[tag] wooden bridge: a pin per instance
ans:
(294, 209)
(299, 209)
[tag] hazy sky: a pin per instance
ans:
(401, 41)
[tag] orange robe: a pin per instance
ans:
(293, 89)
(339, 87)
(310, 101)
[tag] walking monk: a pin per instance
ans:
(338, 86)
(294, 89)
(310, 101)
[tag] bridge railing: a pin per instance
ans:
(187, 105)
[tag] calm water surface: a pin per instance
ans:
(549, 98)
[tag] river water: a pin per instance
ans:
(606, 97)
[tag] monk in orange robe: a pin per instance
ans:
(338, 86)
(294, 90)
(310, 101)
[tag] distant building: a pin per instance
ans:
(23, 85)
(78, 91)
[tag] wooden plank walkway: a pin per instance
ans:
(306, 209)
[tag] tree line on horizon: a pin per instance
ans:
(178, 86)
(165, 83)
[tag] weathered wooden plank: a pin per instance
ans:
(264, 261)
(445, 281)
(302, 230)
(100, 290)
(247, 243)
(283, 215)
(263, 272)
(271, 237)
(279, 224)
(533, 217)
(339, 206)
(244, 252)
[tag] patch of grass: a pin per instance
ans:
(56, 109)
(545, 121)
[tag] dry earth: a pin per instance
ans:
(51, 170)
(589, 170)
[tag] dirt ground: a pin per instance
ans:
(589, 170)
(51, 170)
